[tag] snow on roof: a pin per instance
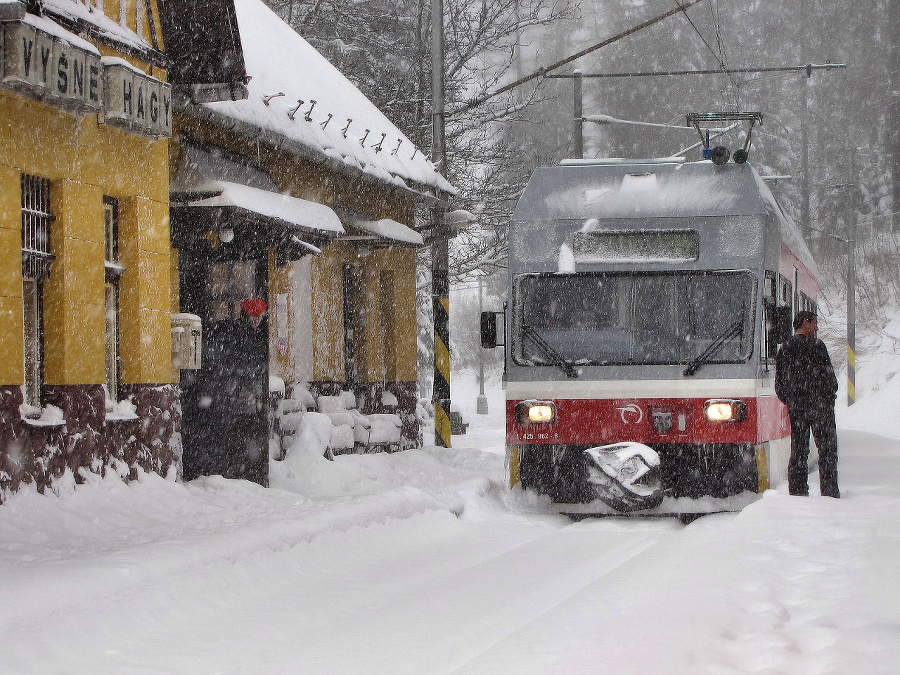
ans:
(335, 120)
(92, 14)
(208, 177)
(585, 190)
(636, 190)
(292, 210)
(390, 229)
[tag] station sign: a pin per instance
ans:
(48, 68)
(136, 101)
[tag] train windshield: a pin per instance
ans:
(636, 318)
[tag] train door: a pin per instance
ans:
(225, 404)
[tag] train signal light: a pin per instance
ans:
(725, 410)
(535, 412)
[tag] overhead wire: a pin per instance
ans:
(706, 43)
(720, 45)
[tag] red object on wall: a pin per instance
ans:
(254, 307)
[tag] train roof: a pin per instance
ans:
(666, 188)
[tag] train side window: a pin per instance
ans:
(786, 297)
(806, 303)
(770, 301)
(779, 313)
(770, 291)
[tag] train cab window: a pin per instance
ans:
(576, 303)
(626, 318)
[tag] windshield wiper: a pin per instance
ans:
(733, 331)
(544, 346)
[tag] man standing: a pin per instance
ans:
(806, 384)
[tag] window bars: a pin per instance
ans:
(36, 219)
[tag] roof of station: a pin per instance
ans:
(302, 103)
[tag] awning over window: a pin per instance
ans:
(291, 211)
(390, 229)
(212, 188)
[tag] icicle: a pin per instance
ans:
(293, 111)
(397, 149)
(378, 145)
(363, 139)
(307, 116)
(268, 98)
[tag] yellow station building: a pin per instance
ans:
(86, 380)
(151, 182)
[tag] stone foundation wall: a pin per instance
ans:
(88, 441)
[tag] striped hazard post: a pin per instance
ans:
(441, 391)
(851, 374)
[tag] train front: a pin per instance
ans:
(637, 364)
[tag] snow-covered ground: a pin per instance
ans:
(424, 562)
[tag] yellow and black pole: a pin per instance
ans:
(440, 253)
(440, 295)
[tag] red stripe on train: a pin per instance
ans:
(603, 421)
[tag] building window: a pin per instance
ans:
(34, 347)
(388, 328)
(354, 323)
(36, 261)
(113, 270)
(138, 18)
(229, 284)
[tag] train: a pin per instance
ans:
(647, 300)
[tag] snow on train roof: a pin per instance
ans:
(653, 189)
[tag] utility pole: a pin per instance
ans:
(804, 158)
(893, 112)
(851, 285)
(578, 135)
(851, 310)
(440, 249)
(482, 404)
(850, 240)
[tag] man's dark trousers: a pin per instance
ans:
(820, 420)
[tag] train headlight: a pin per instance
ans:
(535, 412)
(725, 410)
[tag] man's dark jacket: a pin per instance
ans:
(804, 376)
